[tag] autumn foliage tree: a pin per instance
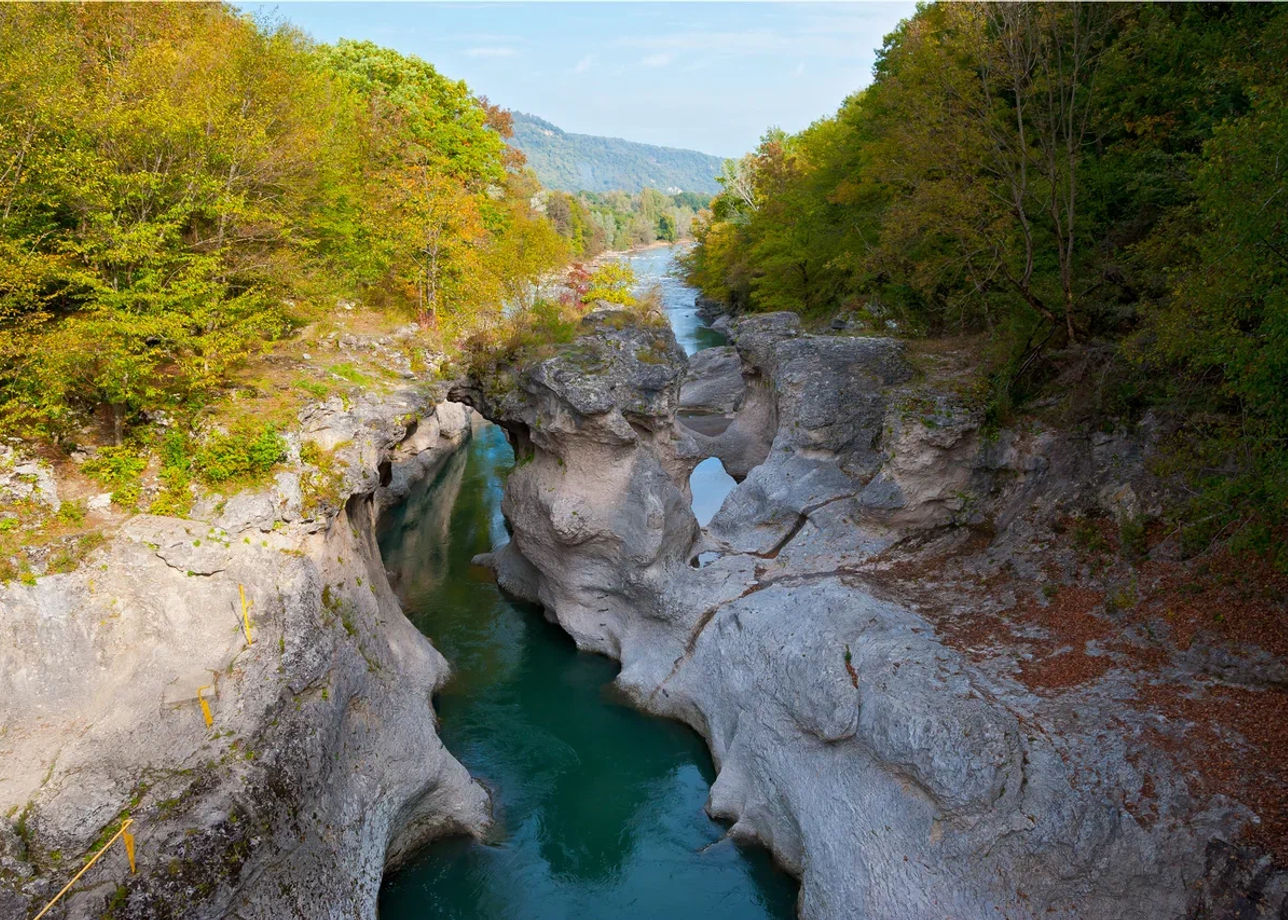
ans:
(1052, 175)
(179, 185)
(158, 190)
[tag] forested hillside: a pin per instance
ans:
(179, 189)
(1097, 195)
(584, 162)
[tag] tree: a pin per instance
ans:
(666, 228)
(178, 185)
(529, 248)
(737, 179)
(612, 282)
(157, 189)
(1221, 326)
(1051, 173)
(1046, 58)
(436, 162)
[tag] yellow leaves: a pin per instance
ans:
(611, 282)
(525, 248)
(170, 174)
(437, 232)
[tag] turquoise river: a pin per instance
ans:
(598, 807)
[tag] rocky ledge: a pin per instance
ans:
(869, 724)
(321, 764)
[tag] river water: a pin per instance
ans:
(598, 807)
(654, 270)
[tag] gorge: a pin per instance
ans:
(887, 522)
(840, 632)
(812, 633)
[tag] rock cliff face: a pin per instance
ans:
(322, 764)
(897, 772)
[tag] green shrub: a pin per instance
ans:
(1089, 538)
(245, 452)
(118, 469)
(175, 498)
(491, 355)
(1132, 537)
(547, 322)
(70, 512)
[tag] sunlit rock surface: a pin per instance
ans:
(899, 777)
(322, 763)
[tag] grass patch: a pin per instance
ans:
(313, 387)
(349, 371)
(71, 556)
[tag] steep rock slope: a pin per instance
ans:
(322, 764)
(896, 773)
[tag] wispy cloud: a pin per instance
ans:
(817, 32)
(710, 42)
(717, 73)
(491, 51)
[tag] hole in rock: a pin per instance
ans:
(599, 807)
(710, 483)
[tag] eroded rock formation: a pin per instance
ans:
(322, 764)
(899, 773)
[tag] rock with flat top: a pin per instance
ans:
(713, 384)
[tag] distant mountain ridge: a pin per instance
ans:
(586, 162)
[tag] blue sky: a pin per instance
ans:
(710, 76)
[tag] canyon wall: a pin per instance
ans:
(322, 763)
(899, 764)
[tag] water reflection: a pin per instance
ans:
(599, 808)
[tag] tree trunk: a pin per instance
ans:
(118, 423)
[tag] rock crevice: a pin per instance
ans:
(322, 764)
(896, 775)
